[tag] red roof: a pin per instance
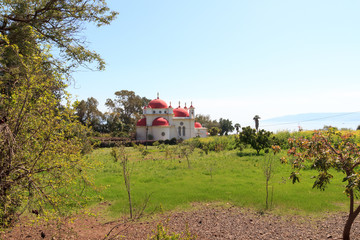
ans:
(157, 103)
(160, 122)
(180, 112)
(198, 125)
(141, 122)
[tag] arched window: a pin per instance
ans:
(179, 131)
(183, 130)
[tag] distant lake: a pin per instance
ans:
(312, 121)
(279, 126)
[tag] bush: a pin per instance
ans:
(216, 143)
(281, 139)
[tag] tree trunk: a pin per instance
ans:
(267, 193)
(349, 222)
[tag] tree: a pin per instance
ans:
(256, 119)
(325, 151)
(40, 139)
(58, 23)
(89, 114)
(225, 126)
(214, 131)
(120, 155)
(113, 124)
(237, 127)
(258, 140)
(358, 127)
(128, 106)
(206, 121)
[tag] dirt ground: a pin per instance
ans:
(207, 221)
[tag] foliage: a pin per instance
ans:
(325, 151)
(58, 23)
(40, 152)
(328, 127)
(216, 143)
(127, 107)
(225, 126)
(89, 114)
(214, 131)
(206, 121)
(281, 139)
(41, 141)
(258, 140)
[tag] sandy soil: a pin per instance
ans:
(206, 221)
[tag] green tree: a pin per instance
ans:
(113, 123)
(214, 131)
(128, 106)
(325, 151)
(40, 139)
(225, 126)
(55, 22)
(206, 121)
(256, 119)
(258, 140)
(89, 114)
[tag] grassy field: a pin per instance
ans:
(227, 177)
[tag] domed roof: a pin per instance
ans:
(198, 125)
(141, 122)
(160, 122)
(157, 103)
(180, 112)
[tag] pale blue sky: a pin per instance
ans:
(233, 59)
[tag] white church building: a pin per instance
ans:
(162, 122)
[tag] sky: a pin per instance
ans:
(232, 59)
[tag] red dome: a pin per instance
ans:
(180, 112)
(160, 122)
(198, 125)
(158, 103)
(141, 122)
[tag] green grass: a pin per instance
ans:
(226, 176)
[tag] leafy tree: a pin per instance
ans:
(128, 106)
(113, 124)
(358, 127)
(55, 22)
(237, 127)
(40, 140)
(206, 121)
(88, 114)
(214, 131)
(256, 119)
(325, 151)
(258, 140)
(225, 126)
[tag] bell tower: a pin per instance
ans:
(192, 111)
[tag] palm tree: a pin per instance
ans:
(237, 127)
(256, 119)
